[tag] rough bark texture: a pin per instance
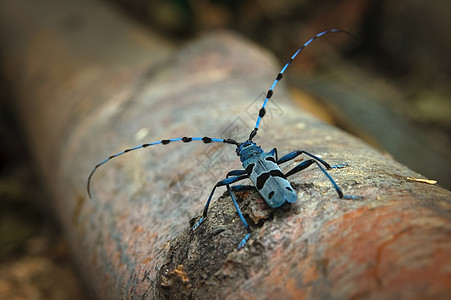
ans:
(84, 93)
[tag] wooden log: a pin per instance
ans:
(90, 84)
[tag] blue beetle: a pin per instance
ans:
(265, 174)
(262, 168)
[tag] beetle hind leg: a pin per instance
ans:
(323, 165)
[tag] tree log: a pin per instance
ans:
(89, 83)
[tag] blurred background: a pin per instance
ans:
(391, 88)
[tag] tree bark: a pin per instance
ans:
(89, 83)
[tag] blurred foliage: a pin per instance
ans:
(403, 40)
(34, 259)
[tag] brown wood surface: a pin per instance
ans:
(89, 83)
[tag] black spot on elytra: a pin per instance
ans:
(261, 180)
(270, 158)
(249, 169)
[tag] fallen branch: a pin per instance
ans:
(82, 98)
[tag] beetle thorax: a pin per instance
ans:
(247, 150)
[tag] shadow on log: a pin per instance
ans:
(90, 84)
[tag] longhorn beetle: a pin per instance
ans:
(262, 168)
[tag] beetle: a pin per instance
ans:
(262, 168)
